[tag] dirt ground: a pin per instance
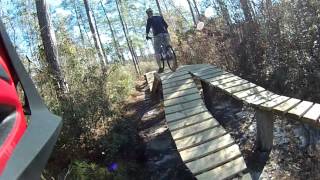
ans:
(160, 160)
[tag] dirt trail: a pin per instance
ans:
(160, 158)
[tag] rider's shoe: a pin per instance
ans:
(160, 70)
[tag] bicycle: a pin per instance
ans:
(167, 53)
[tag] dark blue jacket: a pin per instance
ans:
(157, 24)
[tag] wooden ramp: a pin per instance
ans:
(204, 146)
(256, 96)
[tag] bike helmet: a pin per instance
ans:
(149, 10)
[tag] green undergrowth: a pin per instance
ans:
(95, 135)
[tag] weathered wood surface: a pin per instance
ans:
(313, 114)
(189, 121)
(214, 160)
(225, 171)
(301, 108)
(206, 148)
(210, 147)
(194, 129)
(184, 106)
(176, 94)
(178, 83)
(183, 99)
(257, 99)
(150, 78)
(243, 94)
(178, 88)
(242, 87)
(198, 136)
(216, 77)
(185, 113)
(257, 96)
(177, 78)
(286, 106)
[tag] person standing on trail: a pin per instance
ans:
(160, 34)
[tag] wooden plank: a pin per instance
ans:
(313, 114)
(197, 139)
(194, 68)
(186, 113)
(183, 99)
(183, 77)
(301, 108)
(286, 106)
(242, 94)
(189, 66)
(209, 76)
(179, 88)
(150, 78)
(166, 72)
(225, 81)
(173, 75)
(240, 88)
(214, 160)
(259, 98)
(178, 83)
(216, 77)
(149, 75)
(206, 72)
(184, 106)
(175, 125)
(258, 102)
(270, 104)
(194, 129)
(225, 171)
(206, 148)
(180, 93)
(246, 176)
(230, 84)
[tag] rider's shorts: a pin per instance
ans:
(161, 39)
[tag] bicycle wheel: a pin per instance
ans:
(171, 59)
(162, 61)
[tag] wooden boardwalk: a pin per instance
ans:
(204, 146)
(254, 95)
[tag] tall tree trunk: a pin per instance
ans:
(178, 10)
(224, 11)
(191, 10)
(50, 47)
(166, 6)
(78, 21)
(82, 21)
(127, 39)
(159, 8)
(95, 37)
(246, 10)
(254, 50)
(196, 8)
(114, 38)
(99, 37)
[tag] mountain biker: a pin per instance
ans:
(160, 34)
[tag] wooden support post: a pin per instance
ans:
(265, 122)
(208, 93)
